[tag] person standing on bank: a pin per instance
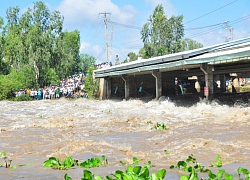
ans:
(128, 58)
(117, 60)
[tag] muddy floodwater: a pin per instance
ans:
(31, 132)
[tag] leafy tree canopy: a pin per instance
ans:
(86, 62)
(162, 35)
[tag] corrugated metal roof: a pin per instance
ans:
(229, 50)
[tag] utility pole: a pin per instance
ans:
(226, 26)
(232, 33)
(230, 29)
(111, 38)
(106, 32)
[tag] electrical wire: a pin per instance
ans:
(127, 42)
(211, 11)
(239, 20)
(217, 28)
(101, 53)
(90, 29)
(125, 25)
(204, 27)
(93, 37)
(204, 32)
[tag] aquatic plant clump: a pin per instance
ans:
(192, 169)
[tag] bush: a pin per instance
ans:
(91, 84)
(14, 81)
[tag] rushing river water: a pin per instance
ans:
(120, 130)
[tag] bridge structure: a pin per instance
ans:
(189, 72)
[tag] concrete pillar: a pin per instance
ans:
(158, 84)
(108, 85)
(102, 88)
(208, 80)
(126, 79)
(222, 83)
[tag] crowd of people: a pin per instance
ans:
(72, 87)
(117, 62)
(103, 65)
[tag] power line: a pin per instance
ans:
(211, 12)
(204, 32)
(101, 53)
(240, 19)
(90, 29)
(127, 42)
(136, 27)
(217, 28)
(204, 27)
(95, 33)
(125, 25)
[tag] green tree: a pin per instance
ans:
(52, 76)
(86, 62)
(189, 44)
(29, 39)
(161, 35)
(11, 38)
(92, 84)
(4, 69)
(71, 45)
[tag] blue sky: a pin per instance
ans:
(203, 21)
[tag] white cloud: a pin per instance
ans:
(84, 46)
(78, 13)
(93, 50)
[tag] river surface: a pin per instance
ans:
(31, 132)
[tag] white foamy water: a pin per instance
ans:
(120, 130)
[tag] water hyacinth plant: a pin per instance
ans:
(94, 162)
(56, 163)
(132, 172)
(195, 170)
